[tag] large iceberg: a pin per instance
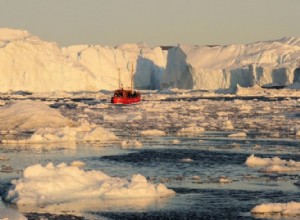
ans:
(31, 64)
(269, 63)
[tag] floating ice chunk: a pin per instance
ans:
(196, 177)
(187, 160)
(3, 158)
(153, 132)
(291, 208)
(274, 164)
(85, 132)
(77, 164)
(99, 134)
(31, 115)
(190, 130)
(176, 141)
(278, 168)
(224, 180)
(238, 135)
(62, 183)
(131, 143)
(252, 161)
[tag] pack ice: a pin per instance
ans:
(46, 125)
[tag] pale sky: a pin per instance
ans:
(154, 22)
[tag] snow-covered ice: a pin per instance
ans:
(47, 125)
(283, 209)
(274, 164)
(43, 185)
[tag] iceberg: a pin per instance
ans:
(266, 64)
(34, 65)
(46, 185)
(31, 64)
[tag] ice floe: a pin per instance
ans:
(153, 132)
(43, 185)
(131, 144)
(30, 115)
(281, 209)
(47, 125)
(238, 135)
(274, 164)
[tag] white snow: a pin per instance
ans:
(191, 130)
(43, 185)
(274, 164)
(283, 209)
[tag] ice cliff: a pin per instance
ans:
(30, 64)
(269, 63)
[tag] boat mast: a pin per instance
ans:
(119, 77)
(132, 77)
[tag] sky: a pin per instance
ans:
(154, 22)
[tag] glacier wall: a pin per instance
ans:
(30, 64)
(27, 63)
(114, 65)
(270, 63)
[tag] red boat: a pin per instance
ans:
(122, 96)
(126, 96)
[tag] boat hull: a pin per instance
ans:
(122, 100)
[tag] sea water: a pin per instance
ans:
(205, 167)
